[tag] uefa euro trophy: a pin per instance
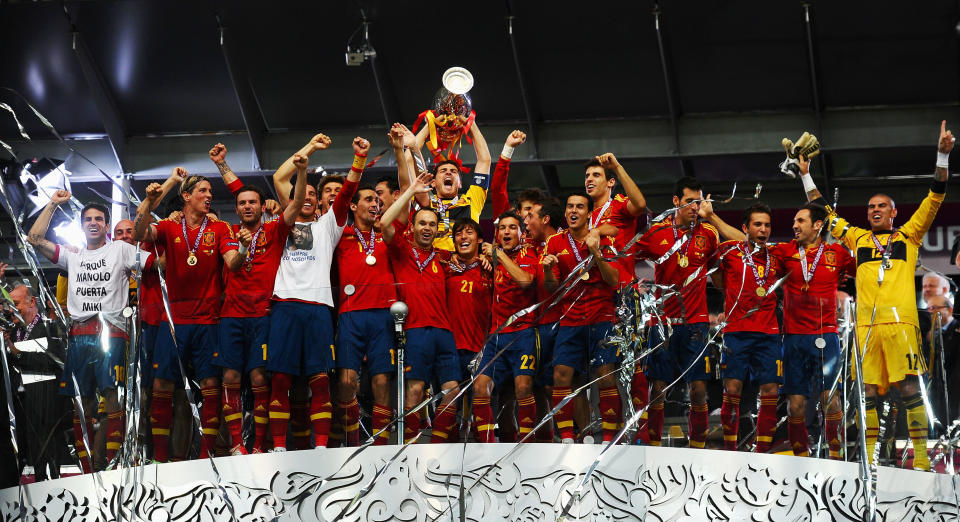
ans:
(451, 115)
(807, 146)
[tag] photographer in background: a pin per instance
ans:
(35, 352)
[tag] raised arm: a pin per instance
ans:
(481, 149)
(498, 183)
(142, 231)
(283, 175)
(637, 204)
(292, 210)
(400, 210)
(726, 230)
(922, 218)
(38, 232)
(341, 204)
(233, 259)
(218, 155)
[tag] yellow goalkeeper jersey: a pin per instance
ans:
(895, 299)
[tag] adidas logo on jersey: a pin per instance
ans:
(564, 252)
(664, 242)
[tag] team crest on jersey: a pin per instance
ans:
(830, 257)
(209, 238)
(262, 240)
(700, 241)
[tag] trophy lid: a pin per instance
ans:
(457, 80)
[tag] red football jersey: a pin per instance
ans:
(587, 302)
(616, 213)
(151, 298)
(248, 292)
(424, 291)
(812, 310)
(373, 285)
(509, 298)
(195, 291)
(545, 314)
(691, 303)
(469, 294)
(740, 288)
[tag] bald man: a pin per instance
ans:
(123, 231)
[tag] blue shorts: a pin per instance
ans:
(685, 347)
(95, 370)
(431, 352)
(466, 357)
(754, 353)
(366, 333)
(196, 347)
(301, 339)
(243, 343)
(148, 339)
(803, 361)
(518, 357)
(581, 347)
(546, 339)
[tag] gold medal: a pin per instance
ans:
(805, 287)
(248, 267)
(371, 260)
(682, 261)
(761, 291)
(585, 276)
(887, 264)
(191, 259)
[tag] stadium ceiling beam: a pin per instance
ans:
(560, 142)
(815, 93)
(673, 94)
(548, 172)
(104, 100)
(253, 119)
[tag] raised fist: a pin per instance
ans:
(608, 161)
(218, 153)
(300, 161)
(154, 191)
(244, 237)
(360, 146)
(320, 142)
(272, 207)
(396, 136)
(516, 138)
(59, 197)
(593, 239)
(549, 261)
(179, 174)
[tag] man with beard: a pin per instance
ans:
(245, 314)
(514, 291)
(196, 249)
(98, 288)
(747, 271)
(431, 348)
(588, 315)
(365, 329)
(446, 198)
(811, 347)
(887, 323)
(301, 327)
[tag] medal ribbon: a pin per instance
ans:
(373, 238)
(808, 276)
(253, 245)
(573, 248)
(603, 210)
(196, 244)
(748, 259)
(461, 269)
(442, 209)
(26, 331)
(884, 250)
(676, 237)
(416, 258)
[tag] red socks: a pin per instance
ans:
(81, 448)
(321, 411)
(526, 415)
(610, 412)
(350, 422)
(279, 409)
(114, 434)
(381, 418)
(233, 415)
(335, 440)
(161, 418)
(300, 423)
(564, 417)
(698, 425)
(640, 396)
(766, 423)
(834, 421)
(209, 420)
(444, 423)
(655, 421)
(483, 419)
(730, 419)
(797, 433)
(411, 426)
(261, 420)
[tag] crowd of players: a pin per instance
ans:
(293, 303)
